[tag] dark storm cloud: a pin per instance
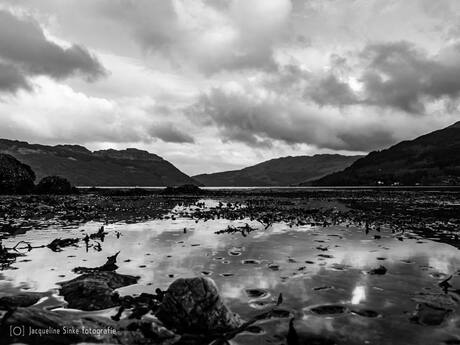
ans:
(237, 117)
(392, 83)
(24, 46)
(397, 75)
(228, 113)
(11, 78)
(169, 133)
(244, 117)
(236, 134)
(367, 139)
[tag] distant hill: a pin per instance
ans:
(285, 171)
(130, 167)
(432, 159)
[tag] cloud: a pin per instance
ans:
(395, 75)
(261, 114)
(331, 91)
(26, 50)
(55, 113)
(154, 23)
(169, 133)
(402, 76)
(11, 78)
(267, 78)
(259, 118)
(204, 36)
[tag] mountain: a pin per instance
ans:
(285, 171)
(15, 177)
(130, 167)
(432, 159)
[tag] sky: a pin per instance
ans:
(214, 85)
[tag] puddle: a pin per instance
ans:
(357, 287)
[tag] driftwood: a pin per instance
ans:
(110, 265)
(57, 244)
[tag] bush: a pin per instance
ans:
(184, 189)
(15, 177)
(54, 185)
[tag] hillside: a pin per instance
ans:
(285, 171)
(432, 159)
(15, 177)
(130, 167)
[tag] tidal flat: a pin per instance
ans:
(304, 267)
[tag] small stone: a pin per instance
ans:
(381, 270)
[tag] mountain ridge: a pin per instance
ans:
(82, 167)
(429, 159)
(281, 171)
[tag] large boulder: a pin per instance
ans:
(15, 177)
(54, 185)
(193, 305)
(95, 290)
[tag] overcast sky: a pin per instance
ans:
(213, 85)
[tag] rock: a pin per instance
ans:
(256, 293)
(95, 290)
(150, 332)
(20, 300)
(67, 328)
(433, 308)
(193, 305)
(38, 319)
(15, 177)
(54, 185)
(365, 312)
(427, 315)
(436, 300)
(381, 270)
(329, 309)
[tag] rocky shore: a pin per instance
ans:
(191, 310)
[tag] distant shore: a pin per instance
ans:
(306, 188)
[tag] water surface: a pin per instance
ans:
(322, 273)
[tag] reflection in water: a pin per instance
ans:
(315, 266)
(358, 295)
